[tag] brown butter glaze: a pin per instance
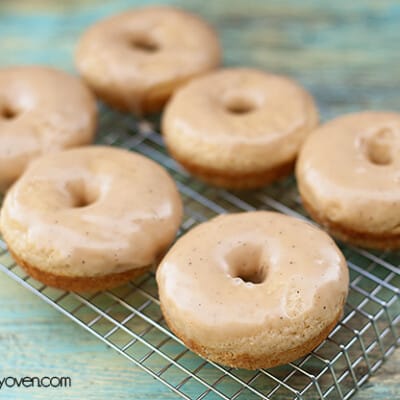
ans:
(91, 211)
(349, 171)
(238, 121)
(41, 110)
(301, 278)
(136, 59)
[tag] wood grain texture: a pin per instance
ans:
(36, 340)
(346, 53)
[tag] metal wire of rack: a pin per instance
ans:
(129, 318)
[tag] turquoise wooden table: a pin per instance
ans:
(346, 53)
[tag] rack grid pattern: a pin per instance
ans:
(129, 318)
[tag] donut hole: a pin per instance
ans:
(144, 44)
(8, 113)
(245, 263)
(239, 105)
(252, 275)
(81, 194)
(379, 147)
(83, 201)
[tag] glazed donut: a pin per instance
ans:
(253, 290)
(91, 218)
(348, 174)
(238, 128)
(135, 60)
(41, 110)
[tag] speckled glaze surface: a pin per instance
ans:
(250, 283)
(90, 212)
(256, 121)
(42, 110)
(135, 60)
(349, 170)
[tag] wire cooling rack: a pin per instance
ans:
(130, 321)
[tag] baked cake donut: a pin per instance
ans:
(253, 290)
(41, 110)
(238, 128)
(348, 174)
(91, 218)
(135, 60)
